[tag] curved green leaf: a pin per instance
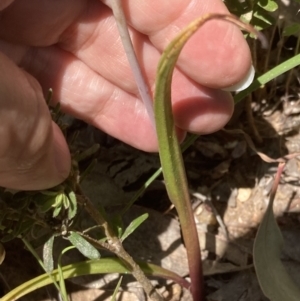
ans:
(169, 148)
(62, 284)
(100, 266)
(72, 208)
(273, 278)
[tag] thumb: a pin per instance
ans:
(33, 152)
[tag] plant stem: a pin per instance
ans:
(115, 246)
(118, 12)
(250, 118)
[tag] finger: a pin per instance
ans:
(93, 53)
(89, 96)
(38, 23)
(216, 56)
(33, 152)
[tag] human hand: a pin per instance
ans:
(73, 47)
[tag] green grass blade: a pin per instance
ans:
(268, 76)
(101, 266)
(134, 225)
(114, 296)
(62, 284)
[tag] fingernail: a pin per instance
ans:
(244, 83)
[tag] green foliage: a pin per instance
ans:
(48, 254)
(16, 218)
(113, 297)
(61, 281)
(274, 280)
(91, 267)
(134, 225)
(83, 246)
(255, 12)
(58, 200)
(291, 30)
(268, 76)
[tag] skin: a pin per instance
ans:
(73, 47)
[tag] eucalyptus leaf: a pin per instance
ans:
(83, 246)
(134, 225)
(48, 254)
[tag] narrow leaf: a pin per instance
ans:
(57, 210)
(274, 280)
(134, 225)
(65, 201)
(262, 19)
(268, 5)
(62, 284)
(268, 76)
(91, 267)
(48, 254)
(169, 148)
(83, 246)
(113, 297)
(72, 204)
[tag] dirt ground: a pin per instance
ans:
(229, 186)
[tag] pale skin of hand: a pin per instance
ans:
(72, 46)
